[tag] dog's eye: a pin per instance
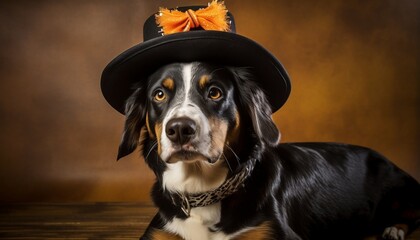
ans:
(159, 95)
(215, 93)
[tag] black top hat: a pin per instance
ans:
(222, 47)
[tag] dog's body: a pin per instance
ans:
(202, 126)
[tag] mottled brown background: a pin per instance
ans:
(354, 66)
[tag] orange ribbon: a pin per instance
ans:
(213, 17)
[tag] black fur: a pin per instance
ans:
(135, 119)
(305, 190)
(253, 99)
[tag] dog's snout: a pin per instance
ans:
(181, 130)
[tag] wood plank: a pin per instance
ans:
(74, 220)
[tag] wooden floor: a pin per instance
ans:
(80, 221)
(74, 221)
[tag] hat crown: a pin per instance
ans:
(152, 30)
(224, 47)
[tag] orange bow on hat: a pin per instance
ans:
(213, 17)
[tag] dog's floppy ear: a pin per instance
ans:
(254, 100)
(135, 111)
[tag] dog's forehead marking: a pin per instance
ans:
(187, 79)
(184, 105)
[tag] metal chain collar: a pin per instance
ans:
(230, 186)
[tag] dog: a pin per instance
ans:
(206, 132)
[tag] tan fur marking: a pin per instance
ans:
(234, 133)
(158, 234)
(149, 130)
(203, 81)
(143, 132)
(237, 120)
(218, 131)
(169, 83)
(261, 232)
(158, 131)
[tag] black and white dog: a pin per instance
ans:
(207, 133)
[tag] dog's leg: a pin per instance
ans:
(262, 232)
(157, 234)
(409, 220)
(395, 232)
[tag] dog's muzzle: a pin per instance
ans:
(182, 132)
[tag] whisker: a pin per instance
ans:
(226, 160)
(151, 149)
(197, 167)
(159, 176)
(236, 156)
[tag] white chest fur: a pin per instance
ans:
(194, 178)
(198, 224)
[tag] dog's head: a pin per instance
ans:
(196, 112)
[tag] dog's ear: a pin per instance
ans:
(254, 100)
(135, 112)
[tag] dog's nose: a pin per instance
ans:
(181, 130)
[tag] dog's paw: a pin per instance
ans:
(393, 233)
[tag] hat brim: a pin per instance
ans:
(226, 48)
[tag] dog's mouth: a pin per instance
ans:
(189, 157)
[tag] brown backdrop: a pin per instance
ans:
(354, 66)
